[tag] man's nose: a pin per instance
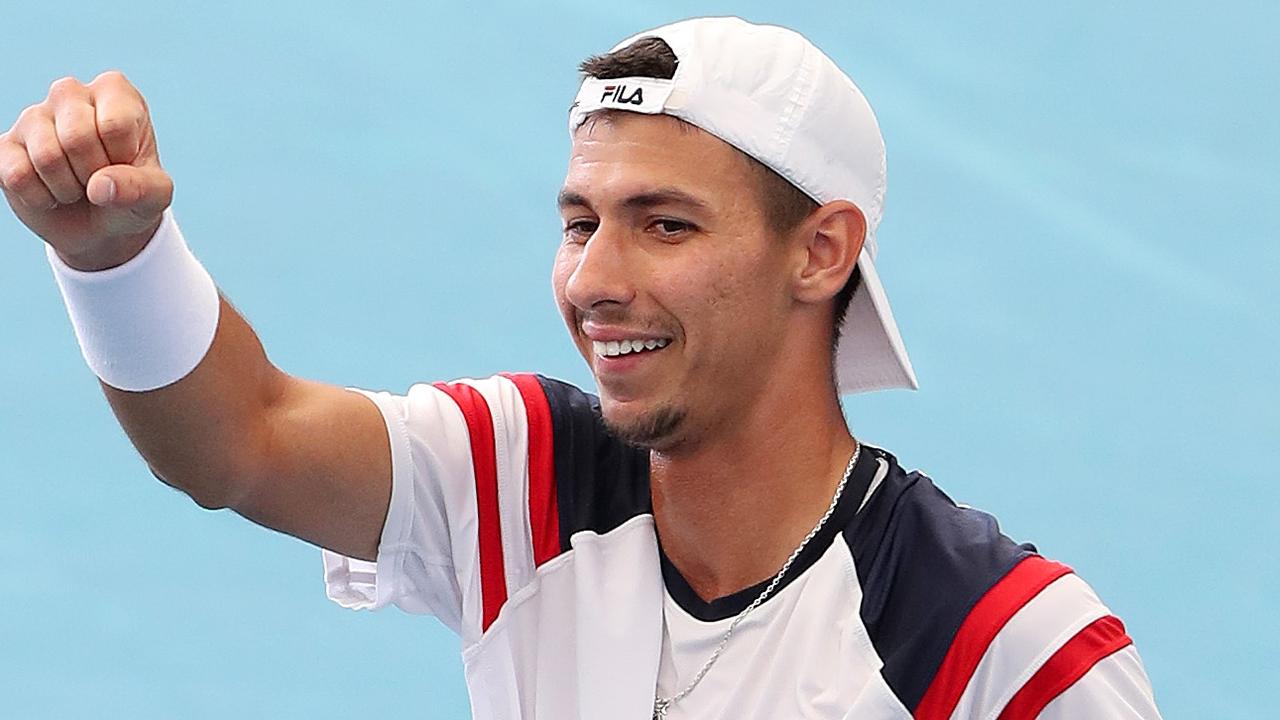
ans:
(602, 275)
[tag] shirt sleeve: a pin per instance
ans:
(1062, 654)
(472, 503)
(1117, 687)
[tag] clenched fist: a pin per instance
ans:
(81, 170)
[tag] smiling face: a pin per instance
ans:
(670, 280)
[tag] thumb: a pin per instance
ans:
(142, 190)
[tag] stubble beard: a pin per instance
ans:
(655, 430)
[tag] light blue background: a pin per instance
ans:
(1081, 244)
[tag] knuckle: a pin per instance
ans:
(64, 87)
(119, 127)
(76, 139)
(110, 76)
(45, 157)
(29, 113)
(16, 176)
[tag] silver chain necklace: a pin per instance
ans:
(661, 704)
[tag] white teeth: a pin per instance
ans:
(614, 348)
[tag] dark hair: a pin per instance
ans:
(785, 205)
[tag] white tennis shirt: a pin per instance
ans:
(521, 523)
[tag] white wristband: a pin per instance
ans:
(147, 323)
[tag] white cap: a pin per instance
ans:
(772, 94)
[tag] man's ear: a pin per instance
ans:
(828, 243)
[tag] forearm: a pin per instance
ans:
(205, 433)
(192, 387)
(185, 374)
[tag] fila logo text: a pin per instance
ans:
(618, 94)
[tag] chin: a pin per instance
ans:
(657, 428)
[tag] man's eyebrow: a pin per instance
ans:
(568, 198)
(663, 196)
(657, 196)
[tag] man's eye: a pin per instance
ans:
(667, 226)
(580, 228)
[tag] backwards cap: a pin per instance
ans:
(772, 94)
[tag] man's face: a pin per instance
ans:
(670, 282)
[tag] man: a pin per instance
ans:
(705, 539)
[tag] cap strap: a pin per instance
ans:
(635, 94)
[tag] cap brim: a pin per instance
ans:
(871, 355)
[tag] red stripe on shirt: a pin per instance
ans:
(1090, 646)
(544, 513)
(988, 616)
(493, 577)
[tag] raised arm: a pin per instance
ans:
(81, 170)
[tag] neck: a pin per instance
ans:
(732, 509)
